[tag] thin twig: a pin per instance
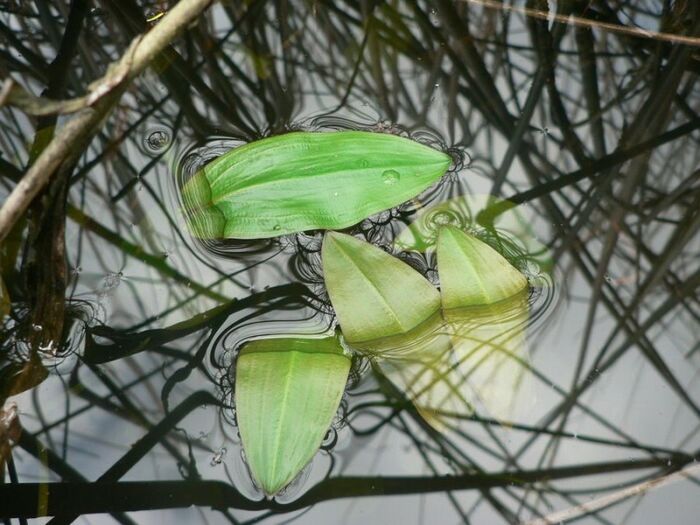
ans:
(588, 22)
(609, 499)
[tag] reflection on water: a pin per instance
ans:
(476, 360)
(573, 145)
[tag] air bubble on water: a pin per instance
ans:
(441, 218)
(37, 327)
(390, 177)
(112, 280)
(218, 457)
(157, 140)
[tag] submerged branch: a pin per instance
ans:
(581, 21)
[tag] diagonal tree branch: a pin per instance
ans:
(69, 142)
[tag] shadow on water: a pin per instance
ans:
(573, 136)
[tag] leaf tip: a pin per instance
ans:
(472, 272)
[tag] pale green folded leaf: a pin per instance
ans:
(472, 273)
(373, 294)
(305, 180)
(287, 391)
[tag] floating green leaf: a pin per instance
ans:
(304, 180)
(287, 393)
(472, 273)
(374, 295)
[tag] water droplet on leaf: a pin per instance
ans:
(390, 176)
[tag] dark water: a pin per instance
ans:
(119, 343)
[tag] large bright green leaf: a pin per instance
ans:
(304, 180)
(374, 295)
(287, 392)
(472, 273)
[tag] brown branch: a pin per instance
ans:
(70, 141)
(639, 489)
(590, 23)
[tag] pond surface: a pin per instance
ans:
(573, 138)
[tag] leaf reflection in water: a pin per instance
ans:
(475, 361)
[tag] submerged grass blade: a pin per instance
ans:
(374, 295)
(472, 273)
(307, 180)
(287, 393)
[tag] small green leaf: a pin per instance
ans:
(287, 392)
(472, 273)
(303, 181)
(374, 295)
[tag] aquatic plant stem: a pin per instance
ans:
(610, 499)
(69, 142)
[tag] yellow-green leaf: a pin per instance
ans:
(374, 295)
(287, 391)
(306, 180)
(472, 273)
